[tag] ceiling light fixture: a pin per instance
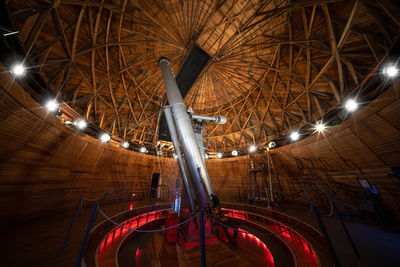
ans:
(271, 144)
(320, 127)
(351, 105)
(18, 70)
(391, 70)
(125, 144)
(81, 124)
(52, 105)
(295, 136)
(252, 148)
(105, 137)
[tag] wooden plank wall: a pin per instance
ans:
(227, 175)
(367, 145)
(46, 167)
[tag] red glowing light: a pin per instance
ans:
(117, 233)
(286, 233)
(138, 252)
(259, 244)
(131, 206)
(102, 246)
(290, 236)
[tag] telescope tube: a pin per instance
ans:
(174, 137)
(197, 168)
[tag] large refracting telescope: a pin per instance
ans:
(192, 165)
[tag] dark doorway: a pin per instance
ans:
(155, 180)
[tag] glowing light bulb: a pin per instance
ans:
(81, 124)
(294, 136)
(125, 144)
(234, 153)
(320, 127)
(143, 149)
(391, 71)
(206, 156)
(219, 155)
(18, 70)
(351, 105)
(252, 148)
(105, 137)
(52, 105)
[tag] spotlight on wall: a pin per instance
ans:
(271, 144)
(52, 105)
(18, 70)
(142, 149)
(105, 137)
(390, 70)
(206, 156)
(320, 127)
(252, 148)
(235, 153)
(219, 155)
(81, 124)
(295, 136)
(351, 105)
(125, 144)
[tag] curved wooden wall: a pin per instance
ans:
(45, 167)
(367, 146)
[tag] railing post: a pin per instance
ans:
(325, 234)
(104, 196)
(202, 239)
(346, 230)
(77, 210)
(322, 227)
(86, 236)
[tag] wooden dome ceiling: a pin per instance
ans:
(275, 65)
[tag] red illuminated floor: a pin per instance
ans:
(300, 248)
(151, 250)
(249, 250)
(218, 252)
(110, 244)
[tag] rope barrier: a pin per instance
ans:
(94, 199)
(155, 189)
(298, 192)
(145, 231)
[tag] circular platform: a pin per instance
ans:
(153, 250)
(266, 238)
